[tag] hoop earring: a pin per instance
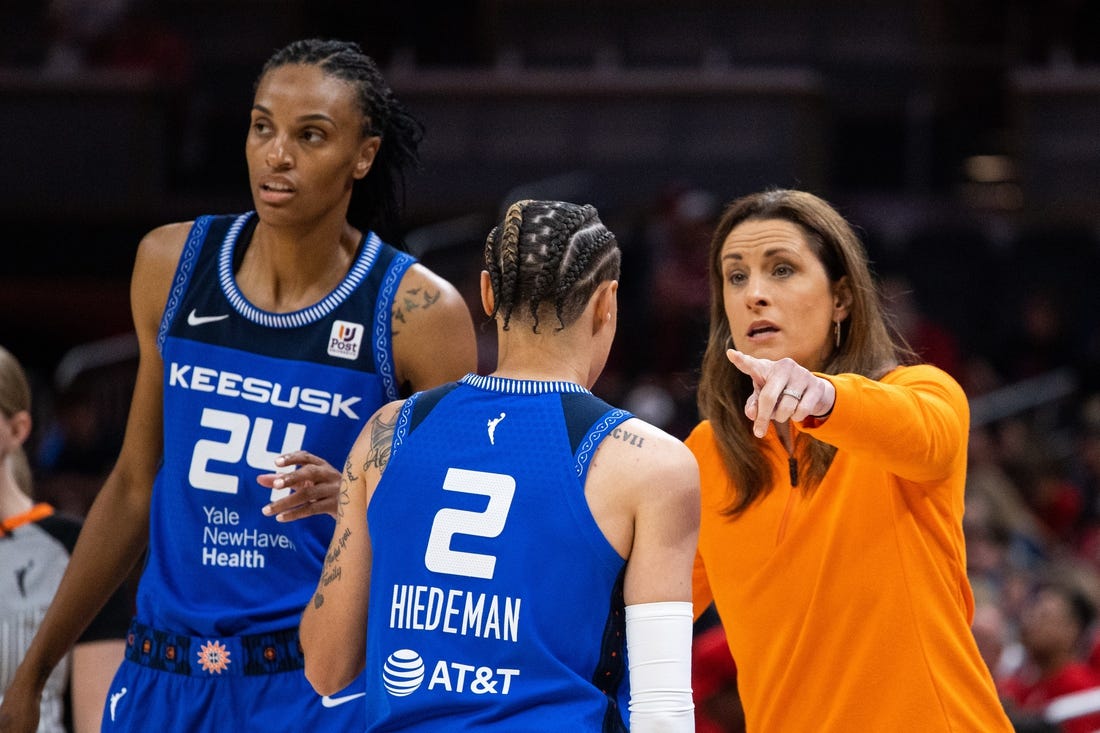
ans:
(837, 331)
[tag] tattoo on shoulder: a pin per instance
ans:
(381, 438)
(411, 300)
(628, 437)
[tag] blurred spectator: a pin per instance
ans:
(678, 240)
(991, 630)
(79, 444)
(932, 341)
(1034, 462)
(123, 35)
(1037, 341)
(76, 26)
(140, 41)
(1058, 501)
(1052, 631)
(1086, 475)
(714, 684)
(1001, 529)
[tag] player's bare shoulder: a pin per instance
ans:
(158, 255)
(423, 296)
(371, 452)
(433, 331)
(646, 454)
(640, 473)
(639, 434)
(155, 265)
(164, 244)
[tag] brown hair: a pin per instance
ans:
(868, 345)
(15, 396)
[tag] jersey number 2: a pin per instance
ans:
(439, 557)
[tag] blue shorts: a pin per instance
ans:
(171, 682)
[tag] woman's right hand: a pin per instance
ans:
(782, 390)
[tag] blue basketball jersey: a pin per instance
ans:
(495, 599)
(242, 385)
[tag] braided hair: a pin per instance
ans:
(548, 254)
(378, 205)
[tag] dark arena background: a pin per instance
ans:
(963, 139)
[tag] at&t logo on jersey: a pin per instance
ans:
(345, 340)
(403, 673)
(405, 670)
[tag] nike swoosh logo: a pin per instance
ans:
(331, 702)
(197, 320)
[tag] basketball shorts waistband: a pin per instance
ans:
(213, 656)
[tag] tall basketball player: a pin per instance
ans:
(267, 339)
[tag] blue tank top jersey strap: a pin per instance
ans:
(495, 597)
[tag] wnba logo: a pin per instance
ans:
(403, 672)
(345, 340)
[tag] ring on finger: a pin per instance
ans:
(792, 393)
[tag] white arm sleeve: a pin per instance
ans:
(658, 654)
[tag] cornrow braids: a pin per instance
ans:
(380, 194)
(547, 278)
(509, 254)
(548, 254)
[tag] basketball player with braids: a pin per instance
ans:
(266, 340)
(512, 552)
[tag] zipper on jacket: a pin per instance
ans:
(787, 441)
(786, 515)
(792, 466)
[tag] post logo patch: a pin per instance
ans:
(345, 340)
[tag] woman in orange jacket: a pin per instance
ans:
(831, 538)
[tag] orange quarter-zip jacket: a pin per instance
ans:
(848, 609)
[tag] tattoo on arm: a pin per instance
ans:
(381, 439)
(411, 300)
(332, 569)
(628, 437)
(348, 475)
(334, 551)
(342, 498)
(333, 575)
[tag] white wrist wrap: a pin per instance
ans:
(658, 652)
